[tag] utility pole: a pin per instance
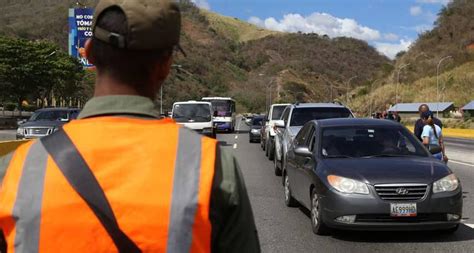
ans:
(348, 87)
(398, 81)
(437, 82)
(372, 95)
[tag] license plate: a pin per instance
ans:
(403, 210)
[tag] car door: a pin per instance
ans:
(307, 168)
(280, 135)
(302, 164)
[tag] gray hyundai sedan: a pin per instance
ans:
(362, 174)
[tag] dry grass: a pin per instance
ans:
(458, 83)
(235, 29)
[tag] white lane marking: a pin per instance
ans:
(461, 163)
(236, 137)
(235, 146)
(469, 225)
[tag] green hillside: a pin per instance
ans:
(452, 35)
(227, 57)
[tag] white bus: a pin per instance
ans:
(224, 112)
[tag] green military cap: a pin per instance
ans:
(152, 24)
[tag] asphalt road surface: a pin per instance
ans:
(283, 229)
(7, 135)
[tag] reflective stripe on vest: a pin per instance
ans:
(183, 218)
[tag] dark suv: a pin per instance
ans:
(45, 122)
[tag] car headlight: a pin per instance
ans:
(347, 185)
(255, 131)
(446, 184)
(20, 130)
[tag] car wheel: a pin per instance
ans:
(267, 148)
(271, 151)
(277, 167)
(289, 200)
(317, 223)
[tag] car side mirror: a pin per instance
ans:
(303, 151)
(435, 150)
(280, 124)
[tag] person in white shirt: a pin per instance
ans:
(432, 135)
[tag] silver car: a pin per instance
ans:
(293, 119)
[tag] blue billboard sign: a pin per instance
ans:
(80, 30)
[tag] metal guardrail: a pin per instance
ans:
(9, 146)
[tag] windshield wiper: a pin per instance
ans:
(338, 156)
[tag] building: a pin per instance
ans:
(468, 110)
(411, 109)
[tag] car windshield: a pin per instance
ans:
(278, 111)
(301, 116)
(369, 142)
(49, 116)
(257, 121)
(192, 113)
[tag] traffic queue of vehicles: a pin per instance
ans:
(206, 117)
(359, 174)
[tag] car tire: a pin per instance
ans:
(267, 148)
(271, 151)
(317, 223)
(278, 170)
(289, 200)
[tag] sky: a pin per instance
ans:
(390, 26)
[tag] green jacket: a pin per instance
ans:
(233, 226)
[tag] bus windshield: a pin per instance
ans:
(223, 107)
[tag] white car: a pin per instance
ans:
(195, 115)
(293, 119)
(268, 135)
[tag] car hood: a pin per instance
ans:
(42, 124)
(294, 130)
(388, 170)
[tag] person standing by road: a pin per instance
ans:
(432, 135)
(420, 124)
(118, 179)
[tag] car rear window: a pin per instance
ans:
(192, 113)
(278, 111)
(301, 116)
(257, 121)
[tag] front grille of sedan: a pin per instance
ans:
(401, 192)
(387, 218)
(38, 131)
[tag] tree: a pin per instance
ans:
(33, 69)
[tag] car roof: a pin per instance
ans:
(192, 102)
(340, 122)
(318, 105)
(280, 105)
(58, 109)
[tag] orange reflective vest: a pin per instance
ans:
(156, 175)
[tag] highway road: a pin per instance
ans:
(7, 135)
(283, 229)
